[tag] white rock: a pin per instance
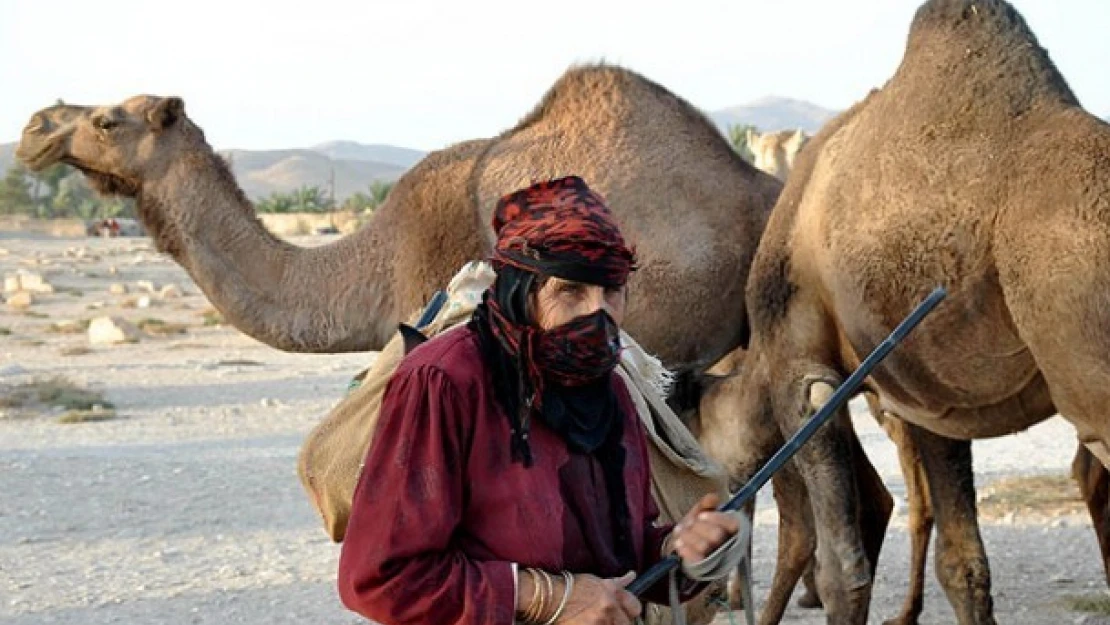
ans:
(170, 291)
(143, 302)
(111, 330)
(145, 285)
(21, 300)
(27, 281)
(117, 289)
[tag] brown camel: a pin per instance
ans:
(746, 448)
(996, 186)
(775, 151)
(694, 209)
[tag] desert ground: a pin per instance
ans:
(179, 503)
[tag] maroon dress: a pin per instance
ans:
(441, 513)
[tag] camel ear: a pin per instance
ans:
(412, 337)
(166, 113)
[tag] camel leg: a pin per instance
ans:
(798, 536)
(797, 542)
(961, 559)
(921, 512)
(844, 573)
(1094, 484)
(810, 599)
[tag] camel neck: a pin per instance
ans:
(281, 294)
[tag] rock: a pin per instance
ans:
(112, 330)
(170, 291)
(117, 289)
(1062, 578)
(1010, 518)
(26, 281)
(12, 369)
(145, 285)
(143, 302)
(21, 300)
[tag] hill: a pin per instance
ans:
(774, 113)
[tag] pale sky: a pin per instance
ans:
(424, 74)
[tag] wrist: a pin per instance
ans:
(543, 596)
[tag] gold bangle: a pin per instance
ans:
(568, 587)
(549, 598)
(531, 613)
(541, 596)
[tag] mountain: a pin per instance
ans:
(262, 172)
(7, 156)
(774, 113)
(354, 151)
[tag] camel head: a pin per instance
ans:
(117, 147)
(775, 151)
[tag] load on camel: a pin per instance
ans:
(995, 186)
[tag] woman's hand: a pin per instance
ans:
(597, 601)
(703, 530)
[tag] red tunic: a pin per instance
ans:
(442, 511)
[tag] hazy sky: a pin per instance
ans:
(424, 74)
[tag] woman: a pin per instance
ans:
(508, 479)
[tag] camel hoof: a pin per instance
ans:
(901, 619)
(809, 601)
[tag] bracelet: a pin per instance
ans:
(532, 612)
(568, 587)
(543, 595)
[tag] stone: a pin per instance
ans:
(112, 330)
(21, 300)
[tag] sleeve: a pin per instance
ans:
(398, 564)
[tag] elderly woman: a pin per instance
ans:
(508, 480)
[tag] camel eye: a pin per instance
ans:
(105, 123)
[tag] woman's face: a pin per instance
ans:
(558, 301)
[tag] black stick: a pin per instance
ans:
(839, 398)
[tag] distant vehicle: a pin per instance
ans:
(115, 227)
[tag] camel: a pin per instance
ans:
(775, 151)
(996, 187)
(744, 446)
(693, 208)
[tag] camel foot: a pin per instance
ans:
(810, 600)
(902, 619)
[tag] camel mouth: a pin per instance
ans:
(39, 157)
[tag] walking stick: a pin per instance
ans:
(839, 398)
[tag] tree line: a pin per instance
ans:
(60, 191)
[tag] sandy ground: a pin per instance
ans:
(187, 509)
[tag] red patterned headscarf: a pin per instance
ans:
(557, 228)
(561, 228)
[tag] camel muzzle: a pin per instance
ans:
(44, 137)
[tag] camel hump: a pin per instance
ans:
(967, 44)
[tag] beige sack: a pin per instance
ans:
(331, 458)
